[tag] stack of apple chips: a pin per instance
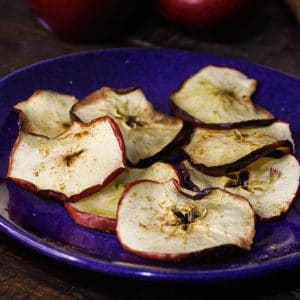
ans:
(239, 163)
(236, 145)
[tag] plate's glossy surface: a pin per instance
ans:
(45, 226)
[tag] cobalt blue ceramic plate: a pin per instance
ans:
(45, 226)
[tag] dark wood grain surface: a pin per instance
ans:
(271, 37)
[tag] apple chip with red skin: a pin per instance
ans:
(269, 184)
(219, 97)
(46, 113)
(218, 152)
(78, 163)
(160, 221)
(146, 131)
(99, 211)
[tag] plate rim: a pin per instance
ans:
(157, 49)
(131, 270)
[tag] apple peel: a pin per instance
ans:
(80, 162)
(157, 221)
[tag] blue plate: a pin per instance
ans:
(45, 226)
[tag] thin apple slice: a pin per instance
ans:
(219, 97)
(78, 163)
(158, 221)
(218, 152)
(269, 184)
(99, 211)
(146, 131)
(46, 113)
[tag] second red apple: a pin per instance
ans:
(202, 13)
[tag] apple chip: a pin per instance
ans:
(46, 113)
(219, 97)
(99, 210)
(218, 152)
(157, 221)
(146, 131)
(270, 184)
(78, 163)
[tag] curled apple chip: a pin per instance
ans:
(269, 184)
(158, 221)
(46, 113)
(219, 97)
(78, 163)
(146, 131)
(218, 152)
(98, 211)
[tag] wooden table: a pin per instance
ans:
(272, 38)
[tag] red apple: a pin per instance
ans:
(202, 13)
(79, 20)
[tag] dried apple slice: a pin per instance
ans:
(99, 210)
(218, 152)
(270, 184)
(218, 97)
(158, 221)
(46, 113)
(78, 163)
(146, 131)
